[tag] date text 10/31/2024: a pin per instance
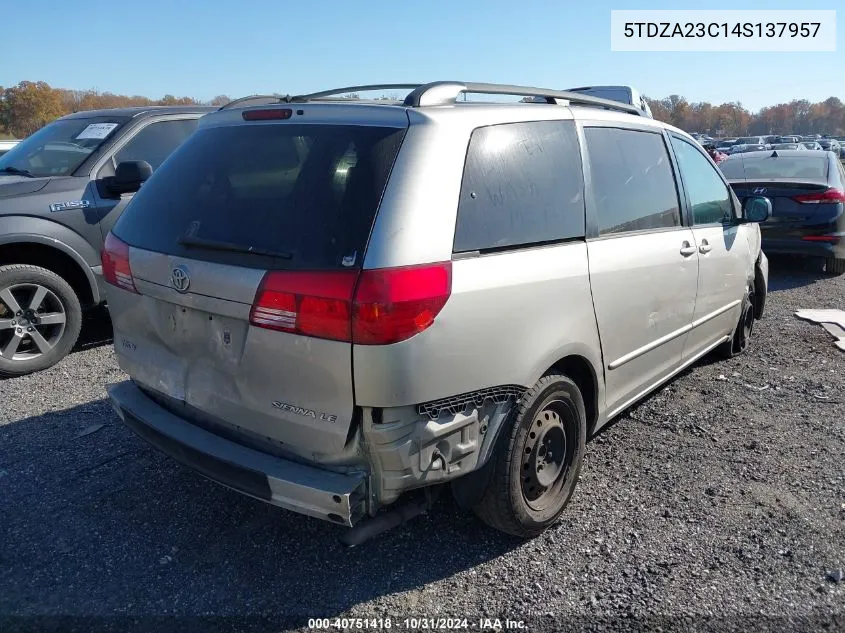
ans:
(417, 624)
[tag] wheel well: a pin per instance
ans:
(53, 260)
(582, 374)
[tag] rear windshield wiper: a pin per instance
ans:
(232, 247)
(17, 171)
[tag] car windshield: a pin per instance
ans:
(810, 144)
(785, 146)
(769, 167)
(59, 148)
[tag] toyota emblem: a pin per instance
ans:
(179, 279)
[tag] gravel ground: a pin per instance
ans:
(718, 503)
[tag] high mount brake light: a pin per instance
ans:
(115, 260)
(271, 114)
(371, 307)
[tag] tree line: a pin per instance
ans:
(26, 107)
(32, 104)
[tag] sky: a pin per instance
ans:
(204, 48)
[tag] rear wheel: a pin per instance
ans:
(834, 266)
(537, 460)
(744, 328)
(40, 319)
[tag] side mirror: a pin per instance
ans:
(756, 209)
(129, 176)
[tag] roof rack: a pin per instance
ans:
(350, 89)
(444, 92)
(447, 92)
(259, 99)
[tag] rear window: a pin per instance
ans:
(523, 185)
(297, 196)
(812, 167)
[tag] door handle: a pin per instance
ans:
(687, 250)
(704, 247)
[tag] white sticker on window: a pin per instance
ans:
(97, 130)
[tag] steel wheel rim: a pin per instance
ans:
(546, 456)
(32, 321)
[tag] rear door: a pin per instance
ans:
(724, 256)
(643, 261)
(235, 204)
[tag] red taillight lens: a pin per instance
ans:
(309, 303)
(833, 239)
(115, 260)
(373, 307)
(273, 114)
(829, 196)
(394, 304)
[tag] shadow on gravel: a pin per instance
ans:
(788, 272)
(96, 330)
(96, 525)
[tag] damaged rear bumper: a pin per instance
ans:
(335, 497)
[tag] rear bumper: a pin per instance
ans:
(309, 490)
(797, 246)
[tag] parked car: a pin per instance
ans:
(61, 190)
(787, 139)
(814, 145)
(832, 145)
(742, 147)
(753, 140)
(5, 146)
(795, 146)
(332, 312)
(807, 190)
(725, 145)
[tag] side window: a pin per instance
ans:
(523, 184)
(157, 141)
(709, 196)
(632, 182)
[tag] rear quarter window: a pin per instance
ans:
(522, 185)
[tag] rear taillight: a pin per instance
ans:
(309, 303)
(373, 307)
(115, 260)
(832, 239)
(829, 196)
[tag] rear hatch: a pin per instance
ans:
(243, 249)
(797, 186)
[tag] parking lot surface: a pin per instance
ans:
(720, 496)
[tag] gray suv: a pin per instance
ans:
(61, 190)
(327, 304)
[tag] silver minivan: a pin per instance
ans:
(331, 304)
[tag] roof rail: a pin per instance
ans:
(259, 99)
(445, 92)
(349, 89)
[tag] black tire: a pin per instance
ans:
(507, 504)
(744, 328)
(28, 343)
(834, 266)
